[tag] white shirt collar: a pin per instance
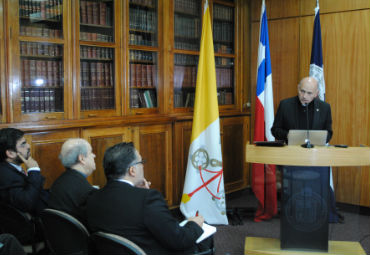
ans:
(123, 180)
(19, 168)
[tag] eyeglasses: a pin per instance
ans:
(139, 162)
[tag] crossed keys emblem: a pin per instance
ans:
(200, 161)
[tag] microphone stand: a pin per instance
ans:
(308, 144)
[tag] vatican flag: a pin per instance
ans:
(204, 185)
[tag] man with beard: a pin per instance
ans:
(20, 188)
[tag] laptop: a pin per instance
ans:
(298, 137)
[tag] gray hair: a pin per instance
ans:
(71, 149)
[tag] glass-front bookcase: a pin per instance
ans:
(143, 54)
(98, 54)
(38, 74)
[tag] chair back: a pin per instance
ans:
(106, 243)
(17, 223)
(64, 233)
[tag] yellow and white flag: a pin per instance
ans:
(204, 183)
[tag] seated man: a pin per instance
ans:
(138, 214)
(70, 191)
(19, 188)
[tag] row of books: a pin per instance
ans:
(41, 100)
(97, 74)
(224, 77)
(183, 45)
(40, 30)
(40, 49)
(226, 62)
(97, 98)
(224, 97)
(139, 55)
(223, 12)
(142, 19)
(184, 76)
(187, 27)
(147, 3)
(138, 38)
(44, 9)
(184, 99)
(142, 75)
(224, 47)
(88, 36)
(143, 98)
(45, 73)
(96, 52)
(97, 13)
(182, 59)
(192, 7)
(223, 31)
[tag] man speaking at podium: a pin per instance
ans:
(292, 114)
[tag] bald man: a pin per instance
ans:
(291, 113)
(70, 191)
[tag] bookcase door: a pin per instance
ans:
(39, 61)
(99, 42)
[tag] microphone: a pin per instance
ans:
(307, 143)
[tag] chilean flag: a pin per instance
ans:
(264, 179)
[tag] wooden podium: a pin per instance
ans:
(305, 197)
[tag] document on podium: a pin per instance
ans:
(208, 230)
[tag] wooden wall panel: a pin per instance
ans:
(275, 9)
(308, 6)
(155, 146)
(45, 149)
(182, 136)
(2, 67)
(100, 140)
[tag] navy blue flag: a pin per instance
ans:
(316, 64)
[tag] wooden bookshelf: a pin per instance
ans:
(117, 70)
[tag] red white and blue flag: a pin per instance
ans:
(264, 179)
(316, 64)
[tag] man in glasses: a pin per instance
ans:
(141, 215)
(21, 188)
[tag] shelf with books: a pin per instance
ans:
(185, 77)
(97, 78)
(143, 79)
(225, 80)
(41, 18)
(143, 20)
(223, 28)
(187, 24)
(42, 77)
(97, 20)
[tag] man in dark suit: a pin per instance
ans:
(70, 191)
(139, 214)
(291, 113)
(19, 188)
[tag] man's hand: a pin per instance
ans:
(197, 219)
(144, 184)
(30, 162)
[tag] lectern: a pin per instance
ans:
(305, 207)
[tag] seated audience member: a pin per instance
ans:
(139, 214)
(9, 245)
(70, 191)
(19, 188)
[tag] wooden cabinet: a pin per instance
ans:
(2, 67)
(45, 149)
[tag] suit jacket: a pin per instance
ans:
(142, 216)
(69, 194)
(24, 192)
(287, 117)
